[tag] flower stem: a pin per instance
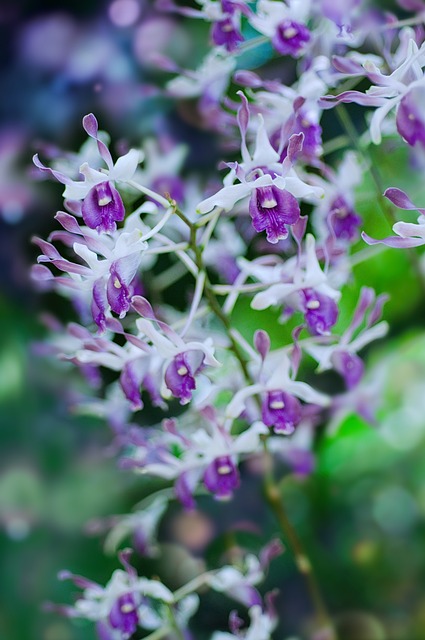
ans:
(302, 561)
(272, 493)
(175, 626)
(159, 633)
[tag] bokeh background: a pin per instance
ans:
(361, 513)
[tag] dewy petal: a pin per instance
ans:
(103, 207)
(271, 210)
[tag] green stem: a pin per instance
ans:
(302, 561)
(271, 490)
(159, 633)
(178, 632)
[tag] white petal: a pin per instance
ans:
(226, 198)
(125, 167)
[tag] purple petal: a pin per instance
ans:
(271, 210)
(262, 343)
(281, 411)
(401, 200)
(68, 222)
(350, 366)
(320, 312)
(130, 380)
(272, 550)
(396, 242)
(295, 146)
(247, 79)
(409, 120)
(179, 375)
(143, 307)
(60, 177)
(123, 615)
(347, 66)
(343, 220)
(291, 38)
(103, 207)
(327, 102)
(79, 581)
(104, 631)
(99, 304)
(91, 127)
(184, 491)
(225, 33)
(221, 477)
(119, 290)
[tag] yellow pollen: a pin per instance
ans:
(305, 123)
(224, 469)
(117, 284)
(269, 203)
(127, 608)
(277, 404)
(104, 201)
(290, 32)
(313, 304)
(182, 371)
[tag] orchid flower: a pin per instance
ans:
(274, 383)
(141, 525)
(261, 627)
(285, 24)
(209, 455)
(111, 260)
(239, 583)
(102, 205)
(299, 283)
(125, 603)
(343, 355)
(225, 16)
(272, 185)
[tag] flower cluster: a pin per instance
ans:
(195, 395)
